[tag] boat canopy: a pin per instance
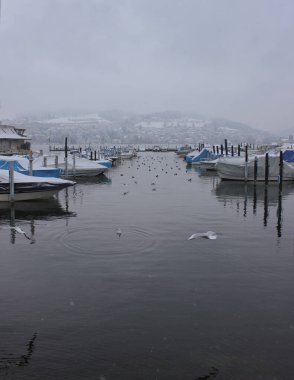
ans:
(288, 155)
(204, 155)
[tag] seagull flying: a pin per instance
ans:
(206, 235)
(20, 231)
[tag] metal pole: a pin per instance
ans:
(11, 181)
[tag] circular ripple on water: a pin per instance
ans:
(104, 240)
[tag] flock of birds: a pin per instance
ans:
(150, 162)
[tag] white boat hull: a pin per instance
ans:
(28, 196)
(235, 169)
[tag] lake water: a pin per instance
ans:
(81, 301)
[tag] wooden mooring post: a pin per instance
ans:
(281, 164)
(226, 146)
(56, 161)
(31, 163)
(266, 173)
(232, 151)
(255, 168)
(74, 164)
(11, 181)
(246, 163)
(65, 157)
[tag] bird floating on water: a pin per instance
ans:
(206, 235)
(118, 232)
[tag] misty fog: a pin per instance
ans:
(223, 58)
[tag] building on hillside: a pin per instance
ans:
(13, 140)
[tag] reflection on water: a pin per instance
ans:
(100, 179)
(20, 361)
(26, 213)
(113, 282)
(256, 194)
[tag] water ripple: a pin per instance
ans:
(104, 240)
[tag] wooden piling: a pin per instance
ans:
(281, 164)
(213, 149)
(11, 181)
(239, 150)
(217, 149)
(95, 155)
(91, 156)
(56, 161)
(226, 146)
(255, 168)
(232, 151)
(246, 164)
(65, 157)
(74, 164)
(266, 169)
(30, 163)
(222, 149)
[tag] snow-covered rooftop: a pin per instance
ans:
(7, 132)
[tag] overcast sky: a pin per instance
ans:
(225, 58)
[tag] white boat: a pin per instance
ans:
(235, 168)
(30, 187)
(21, 164)
(128, 154)
(209, 164)
(76, 166)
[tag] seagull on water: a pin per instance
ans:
(206, 235)
(118, 232)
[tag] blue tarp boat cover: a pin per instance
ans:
(288, 155)
(203, 155)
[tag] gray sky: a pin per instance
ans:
(226, 58)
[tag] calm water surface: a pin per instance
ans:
(78, 301)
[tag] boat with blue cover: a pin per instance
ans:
(197, 157)
(21, 165)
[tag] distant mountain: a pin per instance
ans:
(116, 127)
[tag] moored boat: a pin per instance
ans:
(21, 165)
(196, 157)
(29, 187)
(235, 168)
(76, 166)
